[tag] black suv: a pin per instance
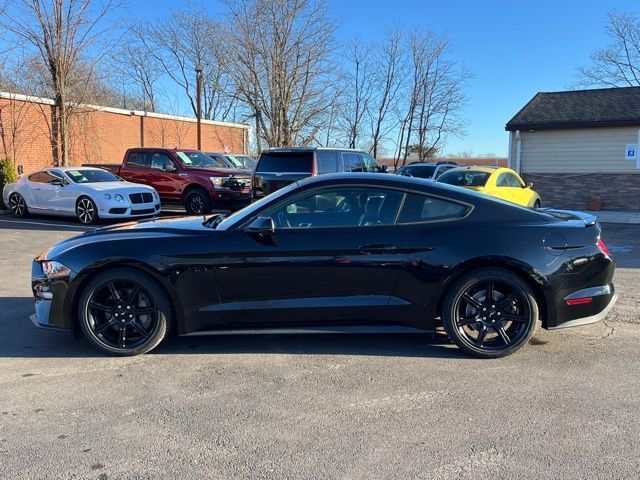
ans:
(278, 167)
(429, 170)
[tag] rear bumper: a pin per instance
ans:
(590, 319)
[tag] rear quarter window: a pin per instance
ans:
(423, 208)
(285, 162)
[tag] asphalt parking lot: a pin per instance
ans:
(316, 406)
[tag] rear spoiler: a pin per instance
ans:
(587, 218)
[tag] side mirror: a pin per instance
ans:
(169, 167)
(262, 226)
(384, 169)
(57, 183)
(529, 185)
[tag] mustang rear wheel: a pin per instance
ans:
(17, 205)
(124, 312)
(86, 211)
(490, 313)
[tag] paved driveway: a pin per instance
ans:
(294, 406)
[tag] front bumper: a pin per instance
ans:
(230, 198)
(49, 297)
(126, 210)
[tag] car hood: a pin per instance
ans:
(161, 227)
(219, 172)
(116, 187)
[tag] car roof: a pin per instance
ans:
(311, 149)
(481, 168)
(66, 169)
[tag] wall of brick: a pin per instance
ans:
(573, 191)
(101, 135)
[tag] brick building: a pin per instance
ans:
(580, 145)
(101, 134)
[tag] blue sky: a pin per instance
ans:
(514, 49)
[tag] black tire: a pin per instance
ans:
(140, 308)
(18, 206)
(86, 211)
(197, 202)
(490, 329)
(537, 204)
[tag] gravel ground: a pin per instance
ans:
(316, 406)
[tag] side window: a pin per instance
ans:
(327, 161)
(46, 177)
(513, 181)
(352, 162)
(159, 160)
(422, 208)
(503, 181)
(441, 170)
(139, 159)
(338, 207)
(370, 164)
(35, 177)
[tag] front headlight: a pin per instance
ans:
(119, 198)
(107, 196)
(218, 182)
(55, 269)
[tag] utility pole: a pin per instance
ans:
(199, 102)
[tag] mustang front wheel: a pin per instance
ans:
(490, 313)
(124, 312)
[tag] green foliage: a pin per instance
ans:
(7, 173)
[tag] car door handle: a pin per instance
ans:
(377, 248)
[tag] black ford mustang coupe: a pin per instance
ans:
(332, 253)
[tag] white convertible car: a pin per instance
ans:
(84, 192)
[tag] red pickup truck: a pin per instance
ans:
(187, 177)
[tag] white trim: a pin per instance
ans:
(120, 111)
(509, 152)
(518, 153)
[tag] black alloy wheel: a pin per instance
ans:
(86, 211)
(17, 205)
(490, 313)
(197, 202)
(124, 312)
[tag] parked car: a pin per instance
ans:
(279, 167)
(428, 170)
(333, 252)
(187, 177)
(86, 193)
(498, 182)
(233, 160)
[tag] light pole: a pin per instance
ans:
(199, 102)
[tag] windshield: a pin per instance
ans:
(196, 159)
(421, 171)
(465, 178)
(285, 162)
(242, 161)
(91, 176)
(239, 215)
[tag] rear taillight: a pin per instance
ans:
(603, 248)
(579, 301)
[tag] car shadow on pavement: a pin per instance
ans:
(20, 338)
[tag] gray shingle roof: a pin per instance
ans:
(607, 107)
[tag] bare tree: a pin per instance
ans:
(178, 44)
(433, 101)
(358, 89)
(617, 64)
(388, 75)
(61, 33)
(279, 54)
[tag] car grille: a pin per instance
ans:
(141, 197)
(144, 211)
(237, 183)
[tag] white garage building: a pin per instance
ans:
(578, 145)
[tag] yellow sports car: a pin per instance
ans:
(498, 182)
